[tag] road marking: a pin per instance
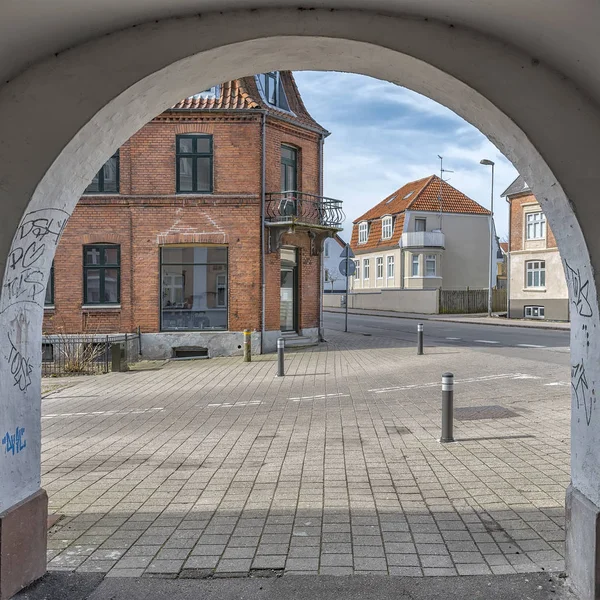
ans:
(530, 346)
(229, 405)
(468, 380)
(454, 339)
(109, 413)
(486, 341)
(320, 397)
(560, 383)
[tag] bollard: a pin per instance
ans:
(420, 338)
(447, 408)
(280, 357)
(247, 346)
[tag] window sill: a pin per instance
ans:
(534, 289)
(49, 307)
(194, 193)
(101, 307)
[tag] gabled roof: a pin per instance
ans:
(419, 195)
(518, 186)
(504, 246)
(243, 94)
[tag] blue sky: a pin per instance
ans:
(383, 136)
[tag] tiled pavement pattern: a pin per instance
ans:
(218, 468)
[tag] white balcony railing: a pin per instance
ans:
(423, 239)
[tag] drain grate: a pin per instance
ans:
(477, 413)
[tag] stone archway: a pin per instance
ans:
(62, 118)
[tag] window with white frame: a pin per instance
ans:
(386, 228)
(536, 226)
(363, 232)
(366, 269)
(390, 267)
(535, 312)
(379, 267)
(357, 272)
(415, 265)
(430, 265)
(536, 273)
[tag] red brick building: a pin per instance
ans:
(208, 221)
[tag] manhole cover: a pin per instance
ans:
(476, 413)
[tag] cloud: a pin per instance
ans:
(384, 136)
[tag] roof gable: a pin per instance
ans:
(420, 195)
(243, 94)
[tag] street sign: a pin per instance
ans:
(351, 268)
(350, 253)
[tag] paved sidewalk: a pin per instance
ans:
(90, 586)
(218, 468)
(477, 319)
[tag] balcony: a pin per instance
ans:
(293, 209)
(423, 239)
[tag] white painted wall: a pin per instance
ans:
(405, 301)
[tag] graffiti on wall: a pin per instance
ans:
(579, 291)
(24, 278)
(20, 367)
(584, 397)
(14, 443)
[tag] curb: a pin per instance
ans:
(444, 320)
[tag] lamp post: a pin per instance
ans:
(490, 163)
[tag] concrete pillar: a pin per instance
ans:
(62, 118)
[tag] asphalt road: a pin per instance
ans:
(549, 345)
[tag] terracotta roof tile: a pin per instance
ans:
(420, 195)
(244, 94)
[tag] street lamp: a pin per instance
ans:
(490, 163)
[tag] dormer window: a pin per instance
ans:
(213, 92)
(271, 88)
(387, 228)
(363, 232)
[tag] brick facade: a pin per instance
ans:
(148, 214)
(517, 223)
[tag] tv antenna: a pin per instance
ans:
(440, 194)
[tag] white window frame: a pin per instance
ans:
(387, 228)
(390, 263)
(535, 228)
(530, 310)
(366, 269)
(428, 259)
(414, 263)
(363, 232)
(379, 267)
(531, 268)
(357, 272)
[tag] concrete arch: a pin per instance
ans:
(62, 118)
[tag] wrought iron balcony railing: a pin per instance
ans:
(300, 208)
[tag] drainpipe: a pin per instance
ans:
(263, 196)
(322, 269)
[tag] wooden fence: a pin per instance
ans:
(471, 301)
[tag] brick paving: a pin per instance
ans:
(218, 468)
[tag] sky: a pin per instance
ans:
(383, 136)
